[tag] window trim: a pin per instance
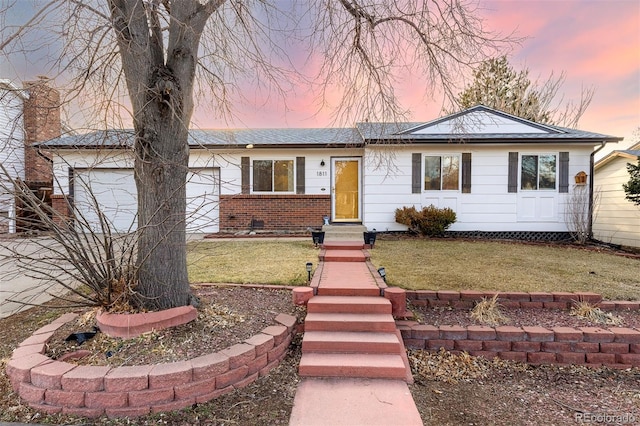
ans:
(457, 155)
(273, 160)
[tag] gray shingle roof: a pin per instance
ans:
(369, 133)
(220, 138)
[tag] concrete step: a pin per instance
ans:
(344, 237)
(345, 290)
(349, 322)
(350, 342)
(344, 229)
(382, 366)
(344, 256)
(349, 304)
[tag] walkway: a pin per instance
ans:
(354, 365)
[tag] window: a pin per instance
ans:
(441, 172)
(273, 176)
(538, 172)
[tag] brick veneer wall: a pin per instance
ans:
(613, 346)
(90, 391)
(289, 212)
(60, 204)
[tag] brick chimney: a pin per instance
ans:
(41, 123)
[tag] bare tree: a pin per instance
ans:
(149, 58)
(577, 212)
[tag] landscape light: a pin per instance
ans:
(309, 267)
(383, 273)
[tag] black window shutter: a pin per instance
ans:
(416, 169)
(299, 175)
(246, 174)
(466, 172)
(513, 172)
(563, 177)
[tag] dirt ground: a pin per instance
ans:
(448, 390)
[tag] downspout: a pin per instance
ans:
(591, 182)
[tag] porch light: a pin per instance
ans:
(322, 163)
(249, 146)
(309, 266)
(383, 274)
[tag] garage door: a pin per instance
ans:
(114, 191)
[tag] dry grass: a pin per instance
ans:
(594, 314)
(488, 312)
(256, 262)
(429, 264)
(486, 265)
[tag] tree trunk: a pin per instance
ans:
(160, 85)
(161, 166)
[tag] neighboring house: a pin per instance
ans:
(12, 101)
(27, 115)
(617, 220)
(502, 175)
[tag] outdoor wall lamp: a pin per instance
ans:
(309, 267)
(322, 163)
(383, 274)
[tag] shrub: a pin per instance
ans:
(430, 221)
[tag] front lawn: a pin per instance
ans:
(429, 265)
(503, 266)
(250, 262)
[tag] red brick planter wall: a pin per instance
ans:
(276, 212)
(614, 346)
(466, 299)
(90, 391)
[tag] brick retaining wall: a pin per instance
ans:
(53, 386)
(466, 299)
(614, 346)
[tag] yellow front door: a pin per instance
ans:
(346, 190)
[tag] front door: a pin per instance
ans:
(345, 194)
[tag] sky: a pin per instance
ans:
(596, 43)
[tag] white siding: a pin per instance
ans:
(11, 154)
(109, 173)
(617, 220)
(489, 207)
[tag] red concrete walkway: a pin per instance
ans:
(354, 365)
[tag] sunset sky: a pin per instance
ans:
(595, 42)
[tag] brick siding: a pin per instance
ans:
(273, 212)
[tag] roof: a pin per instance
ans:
(220, 138)
(11, 87)
(479, 124)
(630, 154)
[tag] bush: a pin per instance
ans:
(430, 221)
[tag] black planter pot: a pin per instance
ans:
(369, 237)
(318, 237)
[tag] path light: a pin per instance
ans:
(309, 266)
(383, 273)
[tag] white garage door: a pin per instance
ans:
(114, 191)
